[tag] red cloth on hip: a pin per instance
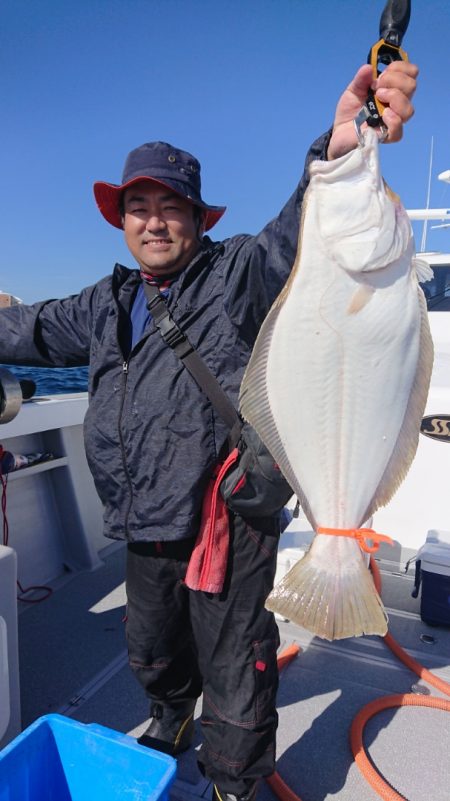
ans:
(208, 563)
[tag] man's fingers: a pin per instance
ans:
(405, 67)
(394, 125)
(394, 79)
(394, 88)
(397, 102)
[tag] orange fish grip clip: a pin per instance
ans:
(393, 24)
(359, 534)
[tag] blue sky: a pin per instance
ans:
(245, 85)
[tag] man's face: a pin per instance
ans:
(160, 228)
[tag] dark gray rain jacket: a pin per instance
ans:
(152, 438)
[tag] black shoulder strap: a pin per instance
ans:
(178, 341)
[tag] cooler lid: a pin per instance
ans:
(436, 549)
(438, 535)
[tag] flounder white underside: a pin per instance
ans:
(339, 375)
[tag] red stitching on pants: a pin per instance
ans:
(221, 716)
(228, 762)
(252, 533)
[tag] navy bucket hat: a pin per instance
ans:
(163, 164)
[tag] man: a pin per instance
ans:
(153, 439)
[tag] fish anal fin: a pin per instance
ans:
(254, 403)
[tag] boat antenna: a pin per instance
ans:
(425, 222)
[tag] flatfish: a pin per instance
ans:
(338, 380)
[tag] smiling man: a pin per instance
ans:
(159, 206)
(154, 440)
(162, 230)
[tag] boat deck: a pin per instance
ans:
(73, 661)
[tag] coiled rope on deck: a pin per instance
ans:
(370, 773)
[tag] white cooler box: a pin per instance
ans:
(433, 573)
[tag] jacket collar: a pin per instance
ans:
(125, 281)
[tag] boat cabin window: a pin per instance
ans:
(437, 291)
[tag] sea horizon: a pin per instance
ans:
(52, 380)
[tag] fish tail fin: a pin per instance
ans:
(332, 604)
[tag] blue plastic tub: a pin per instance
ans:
(59, 759)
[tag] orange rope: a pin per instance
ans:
(287, 656)
(387, 793)
(281, 789)
(275, 782)
(396, 649)
(406, 699)
(359, 534)
(364, 764)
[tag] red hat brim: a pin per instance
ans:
(108, 196)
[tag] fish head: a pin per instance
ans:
(361, 222)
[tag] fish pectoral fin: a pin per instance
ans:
(360, 298)
(423, 270)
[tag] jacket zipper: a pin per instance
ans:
(122, 446)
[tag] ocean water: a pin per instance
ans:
(52, 381)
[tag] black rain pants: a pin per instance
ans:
(182, 643)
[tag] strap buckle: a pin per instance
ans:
(155, 301)
(173, 335)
